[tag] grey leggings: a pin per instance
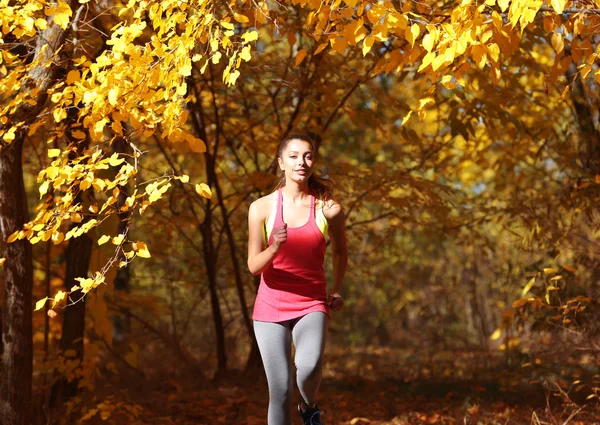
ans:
(274, 342)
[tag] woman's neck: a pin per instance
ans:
(295, 192)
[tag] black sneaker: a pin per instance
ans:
(310, 416)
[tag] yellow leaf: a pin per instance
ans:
(59, 114)
(103, 239)
(53, 153)
(411, 33)
(203, 190)
(448, 83)
(40, 304)
(58, 298)
(79, 134)
(528, 286)
(559, 5)
(113, 95)
(139, 245)
(300, 56)
(231, 80)
(214, 45)
(196, 144)
(245, 53)
(406, 117)
(44, 188)
(117, 240)
(497, 333)
(9, 136)
(520, 303)
(425, 101)
(144, 253)
(503, 4)
(557, 42)
(73, 76)
(494, 51)
(62, 13)
(227, 25)
(427, 43)
(479, 54)
(550, 270)
(51, 313)
(155, 196)
(367, 44)
(240, 18)
(115, 160)
(13, 237)
(185, 178)
(250, 36)
(354, 421)
(58, 238)
(2, 260)
(320, 48)
(131, 358)
(216, 58)
(427, 59)
(41, 23)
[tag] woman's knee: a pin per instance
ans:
(280, 394)
(309, 367)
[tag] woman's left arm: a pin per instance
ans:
(339, 250)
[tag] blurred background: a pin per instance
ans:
(473, 234)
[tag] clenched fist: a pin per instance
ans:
(279, 236)
(335, 301)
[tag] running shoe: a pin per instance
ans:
(310, 416)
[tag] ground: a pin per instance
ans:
(378, 386)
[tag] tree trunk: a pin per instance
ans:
(210, 257)
(588, 146)
(121, 322)
(211, 271)
(17, 359)
(78, 260)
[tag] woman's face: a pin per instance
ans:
(297, 160)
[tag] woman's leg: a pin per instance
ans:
(309, 334)
(274, 343)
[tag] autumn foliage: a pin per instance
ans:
(462, 136)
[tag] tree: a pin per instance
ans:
(137, 80)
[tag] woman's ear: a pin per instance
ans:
(280, 162)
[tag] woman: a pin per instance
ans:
(286, 244)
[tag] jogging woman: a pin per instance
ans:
(286, 245)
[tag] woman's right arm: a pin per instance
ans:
(260, 258)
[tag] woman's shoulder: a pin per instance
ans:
(264, 204)
(330, 208)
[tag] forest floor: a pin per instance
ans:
(380, 386)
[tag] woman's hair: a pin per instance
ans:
(321, 185)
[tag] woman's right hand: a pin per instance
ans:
(279, 236)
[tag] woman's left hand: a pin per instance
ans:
(335, 301)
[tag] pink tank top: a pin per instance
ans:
(294, 284)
